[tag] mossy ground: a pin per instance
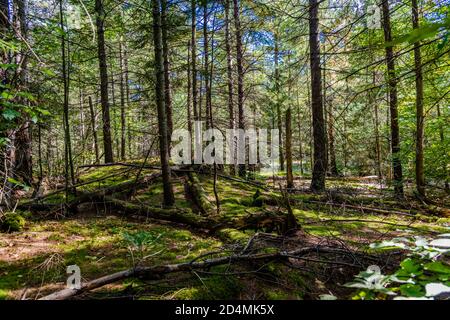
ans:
(36, 257)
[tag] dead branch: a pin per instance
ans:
(155, 272)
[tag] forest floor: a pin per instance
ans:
(102, 238)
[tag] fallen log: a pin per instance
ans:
(185, 216)
(252, 183)
(197, 194)
(81, 184)
(361, 208)
(83, 197)
(155, 272)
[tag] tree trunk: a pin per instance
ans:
(320, 159)
(441, 138)
(127, 95)
(325, 107)
(189, 91)
(240, 69)
(122, 102)
(169, 199)
(94, 130)
(392, 81)
(331, 141)
(107, 141)
(116, 130)
(420, 176)
(167, 81)
(23, 160)
(278, 103)
(229, 75)
(194, 60)
(300, 137)
(67, 140)
(290, 176)
(377, 144)
(206, 64)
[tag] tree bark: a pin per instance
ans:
(69, 169)
(300, 137)
(189, 91)
(325, 106)
(194, 60)
(206, 64)
(94, 130)
(229, 75)
(392, 81)
(320, 159)
(331, 141)
(22, 142)
(377, 142)
(169, 199)
(107, 140)
(420, 176)
(167, 81)
(289, 174)
(122, 102)
(240, 69)
(278, 102)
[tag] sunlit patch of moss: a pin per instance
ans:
(59, 198)
(216, 287)
(110, 176)
(323, 231)
(23, 273)
(188, 294)
(12, 222)
(96, 245)
(3, 295)
(183, 235)
(277, 294)
(232, 235)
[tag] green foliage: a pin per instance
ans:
(140, 242)
(421, 276)
(12, 222)
(18, 184)
(216, 287)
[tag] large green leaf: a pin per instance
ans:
(10, 114)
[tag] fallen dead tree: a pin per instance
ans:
(83, 197)
(360, 208)
(230, 230)
(197, 194)
(156, 272)
(178, 215)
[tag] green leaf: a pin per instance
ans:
(10, 114)
(412, 290)
(48, 72)
(19, 184)
(411, 266)
(437, 267)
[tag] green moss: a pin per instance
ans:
(188, 294)
(12, 222)
(3, 294)
(277, 295)
(323, 231)
(232, 235)
(217, 288)
(183, 235)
